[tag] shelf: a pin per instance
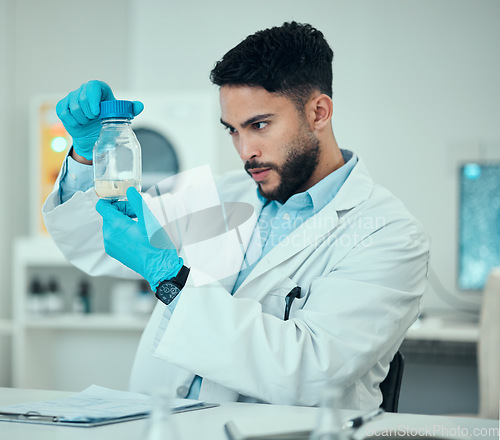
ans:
(67, 350)
(39, 251)
(93, 321)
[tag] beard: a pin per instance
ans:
(301, 160)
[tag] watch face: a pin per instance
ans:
(167, 292)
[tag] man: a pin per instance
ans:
(332, 275)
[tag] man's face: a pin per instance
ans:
(273, 139)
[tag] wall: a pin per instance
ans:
(415, 89)
(5, 121)
(47, 47)
(414, 86)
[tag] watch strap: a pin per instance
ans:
(180, 279)
(169, 289)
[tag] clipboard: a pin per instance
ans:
(37, 418)
(95, 406)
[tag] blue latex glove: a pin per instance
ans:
(79, 113)
(129, 241)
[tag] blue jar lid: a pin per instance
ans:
(117, 109)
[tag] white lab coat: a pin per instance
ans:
(361, 263)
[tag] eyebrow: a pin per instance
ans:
(248, 121)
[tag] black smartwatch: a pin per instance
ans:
(168, 289)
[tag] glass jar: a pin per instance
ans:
(117, 152)
(329, 421)
(160, 424)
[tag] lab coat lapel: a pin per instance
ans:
(311, 231)
(356, 189)
(244, 233)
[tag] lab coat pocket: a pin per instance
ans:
(274, 302)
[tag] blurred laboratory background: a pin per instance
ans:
(416, 94)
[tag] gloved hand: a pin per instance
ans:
(129, 241)
(79, 113)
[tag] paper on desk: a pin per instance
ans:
(96, 403)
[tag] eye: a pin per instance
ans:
(260, 125)
(231, 130)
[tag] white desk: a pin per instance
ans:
(444, 328)
(208, 424)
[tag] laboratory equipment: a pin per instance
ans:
(55, 302)
(36, 303)
(49, 145)
(82, 300)
(117, 152)
(479, 223)
(329, 425)
(165, 131)
(161, 425)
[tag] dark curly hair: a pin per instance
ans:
(293, 60)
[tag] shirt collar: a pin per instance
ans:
(326, 189)
(323, 192)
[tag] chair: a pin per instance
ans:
(391, 385)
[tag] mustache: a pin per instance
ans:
(251, 164)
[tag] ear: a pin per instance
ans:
(319, 111)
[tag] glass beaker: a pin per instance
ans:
(329, 421)
(117, 152)
(160, 424)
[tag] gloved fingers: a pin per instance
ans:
(135, 201)
(138, 107)
(157, 236)
(141, 209)
(106, 92)
(75, 107)
(124, 206)
(63, 113)
(111, 215)
(97, 91)
(105, 208)
(83, 104)
(87, 105)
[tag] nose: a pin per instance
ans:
(247, 148)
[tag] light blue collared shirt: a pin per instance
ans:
(75, 177)
(277, 220)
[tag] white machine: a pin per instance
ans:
(177, 132)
